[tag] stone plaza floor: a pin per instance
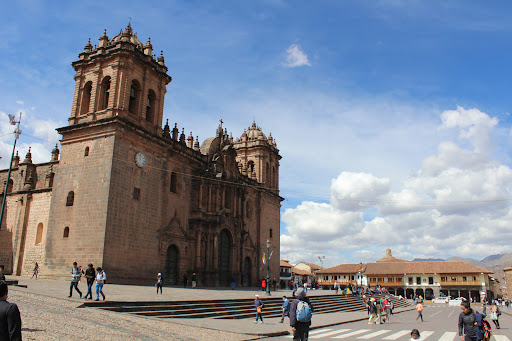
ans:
(48, 314)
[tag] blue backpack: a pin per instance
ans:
(303, 313)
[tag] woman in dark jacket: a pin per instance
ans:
(467, 323)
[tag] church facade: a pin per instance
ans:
(135, 198)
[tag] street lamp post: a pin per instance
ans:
(268, 268)
(360, 275)
(17, 133)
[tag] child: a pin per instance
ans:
(415, 335)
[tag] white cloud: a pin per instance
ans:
(20, 102)
(296, 57)
(38, 134)
(458, 203)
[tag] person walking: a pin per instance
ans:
(259, 308)
(10, 318)
(101, 277)
(494, 314)
(90, 275)
(419, 309)
(300, 320)
(372, 307)
(336, 287)
(159, 283)
(76, 274)
(35, 271)
(386, 307)
(194, 280)
(286, 308)
(467, 323)
(479, 318)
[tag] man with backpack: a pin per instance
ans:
(300, 316)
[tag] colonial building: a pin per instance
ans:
(136, 198)
(426, 279)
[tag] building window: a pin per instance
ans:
(86, 98)
(443, 279)
(136, 193)
(227, 198)
(134, 97)
(474, 278)
(86, 153)
(10, 185)
(410, 280)
(270, 233)
(454, 279)
(464, 278)
(70, 199)
(418, 280)
(105, 92)
(39, 235)
(399, 279)
(66, 232)
(174, 182)
(150, 107)
(431, 280)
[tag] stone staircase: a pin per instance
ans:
(234, 309)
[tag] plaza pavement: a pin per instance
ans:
(59, 289)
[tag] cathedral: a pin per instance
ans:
(132, 197)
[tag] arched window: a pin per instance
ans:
(86, 153)
(150, 107)
(134, 97)
(66, 232)
(105, 93)
(39, 235)
(10, 186)
(250, 166)
(267, 173)
(70, 199)
(274, 177)
(174, 182)
(86, 98)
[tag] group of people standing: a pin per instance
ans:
(91, 275)
(377, 308)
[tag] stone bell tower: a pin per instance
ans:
(120, 77)
(258, 157)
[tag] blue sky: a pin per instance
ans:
(344, 86)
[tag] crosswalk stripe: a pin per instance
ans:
(397, 335)
(369, 336)
(501, 338)
(426, 334)
(318, 331)
(448, 336)
(329, 333)
(357, 332)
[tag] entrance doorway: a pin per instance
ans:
(224, 258)
(171, 265)
(247, 280)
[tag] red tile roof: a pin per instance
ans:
(342, 269)
(284, 263)
(301, 272)
(401, 268)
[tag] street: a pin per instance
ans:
(440, 323)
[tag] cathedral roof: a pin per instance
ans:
(254, 132)
(127, 36)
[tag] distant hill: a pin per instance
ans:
(428, 260)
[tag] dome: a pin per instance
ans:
(127, 36)
(254, 132)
